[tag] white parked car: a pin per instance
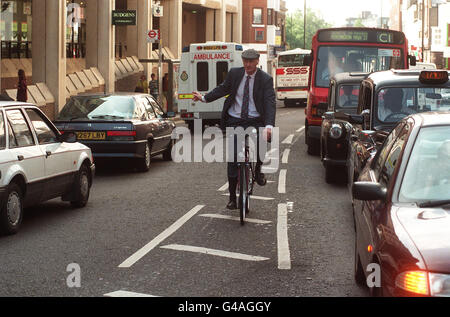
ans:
(38, 163)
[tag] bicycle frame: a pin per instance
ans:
(246, 181)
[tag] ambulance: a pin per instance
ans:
(292, 76)
(203, 67)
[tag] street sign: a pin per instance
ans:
(158, 11)
(153, 36)
(124, 17)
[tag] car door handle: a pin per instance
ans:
(48, 153)
(20, 157)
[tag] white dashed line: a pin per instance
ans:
(301, 129)
(218, 216)
(221, 253)
(288, 140)
(127, 294)
(282, 182)
(284, 255)
(285, 156)
(223, 188)
(160, 238)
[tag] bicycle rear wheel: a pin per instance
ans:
(243, 192)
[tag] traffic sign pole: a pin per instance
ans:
(160, 81)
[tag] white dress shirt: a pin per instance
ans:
(236, 109)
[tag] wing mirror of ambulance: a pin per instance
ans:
(412, 60)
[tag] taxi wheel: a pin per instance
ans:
(11, 211)
(330, 175)
(81, 188)
(167, 154)
(144, 163)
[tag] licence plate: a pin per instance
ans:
(91, 135)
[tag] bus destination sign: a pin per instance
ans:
(371, 36)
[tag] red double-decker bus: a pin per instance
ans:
(338, 50)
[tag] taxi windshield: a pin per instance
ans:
(98, 108)
(427, 176)
(396, 103)
(347, 96)
(332, 60)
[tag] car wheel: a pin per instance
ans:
(81, 187)
(167, 155)
(144, 163)
(11, 212)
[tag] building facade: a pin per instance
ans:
(426, 24)
(74, 46)
(263, 25)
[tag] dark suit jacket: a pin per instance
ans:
(263, 94)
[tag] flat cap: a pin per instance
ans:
(250, 54)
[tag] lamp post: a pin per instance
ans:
(304, 25)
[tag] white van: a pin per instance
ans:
(203, 67)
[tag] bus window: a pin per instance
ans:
(202, 76)
(291, 60)
(221, 72)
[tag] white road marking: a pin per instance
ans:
(221, 253)
(161, 237)
(288, 140)
(223, 188)
(285, 156)
(284, 255)
(127, 294)
(266, 169)
(301, 129)
(255, 197)
(218, 216)
(282, 182)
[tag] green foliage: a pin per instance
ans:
(294, 28)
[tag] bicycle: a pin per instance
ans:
(246, 180)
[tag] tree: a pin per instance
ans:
(294, 28)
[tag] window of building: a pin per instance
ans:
(15, 29)
(257, 16)
(202, 76)
(259, 35)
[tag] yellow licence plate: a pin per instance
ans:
(91, 135)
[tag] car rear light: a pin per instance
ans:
(187, 115)
(121, 133)
(413, 281)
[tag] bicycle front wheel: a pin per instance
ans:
(244, 204)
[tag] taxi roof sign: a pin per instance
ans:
(433, 76)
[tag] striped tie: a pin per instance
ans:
(245, 101)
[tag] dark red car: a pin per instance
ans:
(402, 210)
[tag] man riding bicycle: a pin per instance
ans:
(251, 103)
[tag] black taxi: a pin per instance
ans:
(384, 99)
(335, 130)
(402, 210)
(119, 125)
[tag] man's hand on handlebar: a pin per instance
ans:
(267, 134)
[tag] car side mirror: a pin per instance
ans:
(68, 137)
(369, 191)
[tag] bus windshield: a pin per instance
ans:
(291, 60)
(337, 59)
